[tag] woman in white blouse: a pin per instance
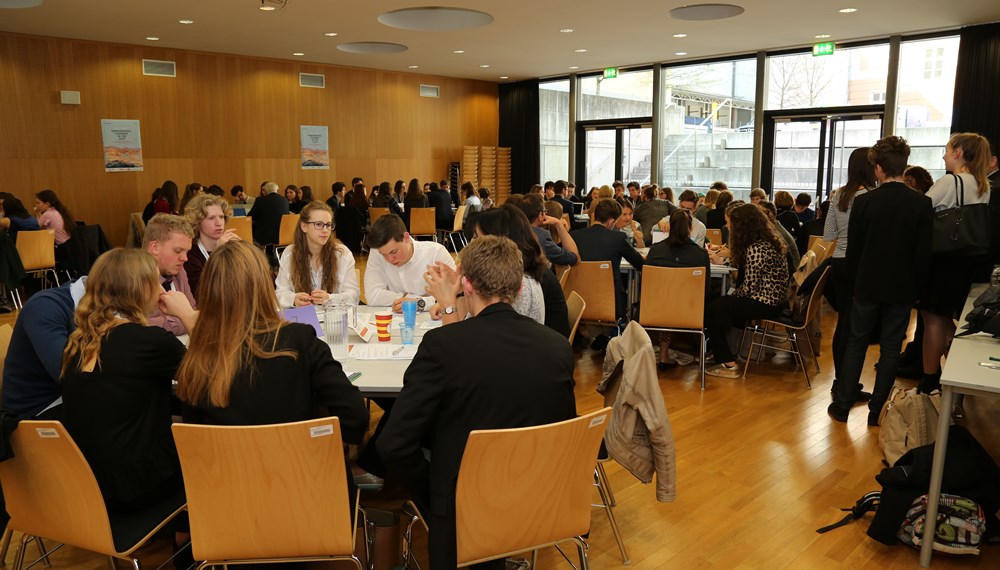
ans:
(967, 159)
(316, 268)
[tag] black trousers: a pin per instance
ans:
(732, 311)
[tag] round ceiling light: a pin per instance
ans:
(706, 12)
(20, 3)
(372, 47)
(435, 19)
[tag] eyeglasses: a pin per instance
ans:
(322, 225)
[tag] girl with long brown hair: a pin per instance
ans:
(52, 214)
(116, 379)
(316, 268)
(246, 366)
(758, 253)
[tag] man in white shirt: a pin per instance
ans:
(688, 200)
(397, 263)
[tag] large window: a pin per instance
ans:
(553, 117)
(926, 93)
(851, 76)
(626, 96)
(708, 117)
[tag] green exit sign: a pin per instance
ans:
(825, 48)
(610, 72)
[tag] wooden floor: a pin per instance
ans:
(760, 466)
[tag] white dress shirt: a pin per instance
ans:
(347, 291)
(384, 282)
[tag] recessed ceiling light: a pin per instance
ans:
(680, 53)
(680, 35)
(485, 65)
(567, 30)
(580, 51)
(413, 67)
(458, 51)
(185, 22)
(268, 8)
(822, 36)
(298, 53)
(847, 10)
(574, 67)
(330, 34)
(504, 77)
(153, 38)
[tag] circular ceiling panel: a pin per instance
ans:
(435, 19)
(706, 12)
(20, 3)
(372, 47)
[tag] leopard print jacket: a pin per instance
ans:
(765, 275)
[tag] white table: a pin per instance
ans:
(961, 375)
(381, 377)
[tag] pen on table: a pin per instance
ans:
(995, 359)
(354, 376)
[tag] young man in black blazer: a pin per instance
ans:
(888, 250)
(447, 393)
(602, 242)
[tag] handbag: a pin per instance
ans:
(963, 230)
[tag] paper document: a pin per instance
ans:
(382, 351)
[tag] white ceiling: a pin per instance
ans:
(523, 41)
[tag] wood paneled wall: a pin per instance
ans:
(223, 120)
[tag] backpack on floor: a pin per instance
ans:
(907, 421)
(959, 528)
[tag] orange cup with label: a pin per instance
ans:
(383, 320)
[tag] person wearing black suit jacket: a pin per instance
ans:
(440, 200)
(888, 254)
(447, 393)
(602, 242)
(266, 215)
(560, 196)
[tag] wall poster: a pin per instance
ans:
(315, 148)
(122, 145)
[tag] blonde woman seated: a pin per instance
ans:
(316, 268)
(207, 214)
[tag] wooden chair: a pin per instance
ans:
(457, 228)
(714, 236)
(594, 281)
(243, 225)
(37, 250)
(136, 229)
(422, 222)
(575, 305)
(286, 232)
(673, 300)
(51, 492)
(377, 213)
(793, 327)
(562, 273)
(502, 511)
(259, 494)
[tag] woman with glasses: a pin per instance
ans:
(316, 268)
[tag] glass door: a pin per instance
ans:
(613, 151)
(807, 150)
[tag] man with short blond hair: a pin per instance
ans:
(168, 238)
(448, 393)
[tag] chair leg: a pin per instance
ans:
(43, 553)
(704, 340)
(534, 559)
(608, 506)
(22, 547)
(802, 358)
(582, 546)
(5, 546)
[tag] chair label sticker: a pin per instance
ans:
(696, 273)
(47, 433)
(321, 431)
(605, 265)
(597, 420)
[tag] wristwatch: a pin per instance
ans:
(421, 304)
(449, 310)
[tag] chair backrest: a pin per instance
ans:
(502, 510)
(575, 305)
(377, 213)
(459, 219)
(286, 232)
(273, 491)
(51, 490)
(562, 271)
(136, 229)
(672, 297)
(243, 225)
(5, 333)
(37, 249)
(595, 282)
(422, 222)
(714, 236)
(816, 297)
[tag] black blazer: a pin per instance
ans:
(441, 201)
(266, 215)
(598, 243)
(889, 244)
(447, 393)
